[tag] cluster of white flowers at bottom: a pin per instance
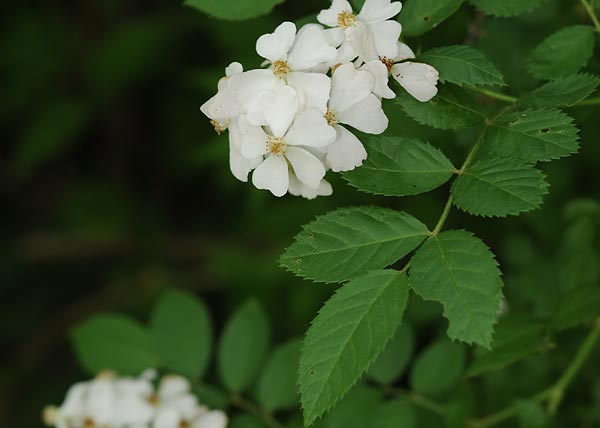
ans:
(109, 401)
(289, 122)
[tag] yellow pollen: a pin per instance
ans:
(389, 63)
(154, 400)
(346, 19)
(276, 146)
(335, 67)
(88, 423)
(219, 127)
(331, 120)
(280, 68)
(184, 424)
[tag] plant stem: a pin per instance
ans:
(588, 102)
(553, 394)
(252, 408)
(496, 95)
(417, 399)
(590, 10)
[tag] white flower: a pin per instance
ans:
(371, 34)
(211, 419)
(176, 406)
(352, 103)
(282, 141)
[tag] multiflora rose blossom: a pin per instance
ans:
(109, 401)
(289, 123)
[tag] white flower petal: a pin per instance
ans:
(404, 52)
(130, 409)
(74, 406)
(366, 116)
(275, 46)
(310, 49)
(361, 39)
(310, 129)
(166, 418)
(272, 174)
(374, 11)
(314, 86)
(172, 385)
(348, 87)
(280, 108)
(386, 35)
(234, 69)
(335, 36)
(186, 406)
(419, 80)
(380, 72)
(100, 400)
(297, 188)
(347, 152)
(252, 139)
(240, 166)
(329, 16)
(212, 419)
(307, 167)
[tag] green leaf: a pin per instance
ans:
(463, 65)
(564, 91)
(458, 270)
(351, 241)
(420, 16)
(499, 187)
(234, 10)
(531, 414)
(438, 368)
(577, 307)
(246, 421)
(515, 339)
(450, 109)
(563, 53)
(277, 385)
(397, 413)
(182, 331)
(350, 331)
(114, 342)
(532, 136)
(400, 166)
(356, 410)
(505, 8)
(243, 346)
(392, 362)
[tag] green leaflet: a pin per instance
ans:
(438, 368)
(355, 410)
(396, 413)
(420, 16)
(234, 10)
(243, 346)
(452, 108)
(499, 187)
(563, 53)
(351, 241)
(577, 307)
(400, 166)
(276, 388)
(350, 331)
(458, 270)
(532, 136)
(114, 342)
(505, 8)
(531, 414)
(393, 360)
(182, 331)
(463, 65)
(564, 91)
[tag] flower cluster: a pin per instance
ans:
(289, 123)
(109, 401)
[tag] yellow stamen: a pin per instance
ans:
(154, 400)
(331, 120)
(88, 423)
(219, 127)
(346, 19)
(280, 68)
(335, 67)
(389, 63)
(276, 146)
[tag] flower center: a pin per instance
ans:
(89, 423)
(219, 127)
(154, 400)
(346, 19)
(280, 68)
(184, 424)
(389, 63)
(276, 146)
(331, 120)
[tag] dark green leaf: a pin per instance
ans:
(234, 10)
(564, 91)
(420, 16)
(277, 385)
(393, 360)
(505, 8)
(438, 368)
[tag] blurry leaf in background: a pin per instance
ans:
(182, 331)
(234, 10)
(578, 306)
(506, 8)
(356, 410)
(243, 346)
(246, 421)
(419, 16)
(114, 342)
(351, 330)
(277, 387)
(531, 415)
(397, 413)
(392, 362)
(438, 368)
(564, 91)
(212, 396)
(563, 53)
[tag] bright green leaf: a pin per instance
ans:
(463, 65)
(438, 368)
(350, 331)
(182, 331)
(564, 91)
(243, 346)
(114, 342)
(400, 166)
(277, 385)
(458, 270)
(392, 362)
(505, 8)
(234, 10)
(499, 187)
(563, 53)
(451, 108)
(532, 135)
(420, 16)
(351, 241)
